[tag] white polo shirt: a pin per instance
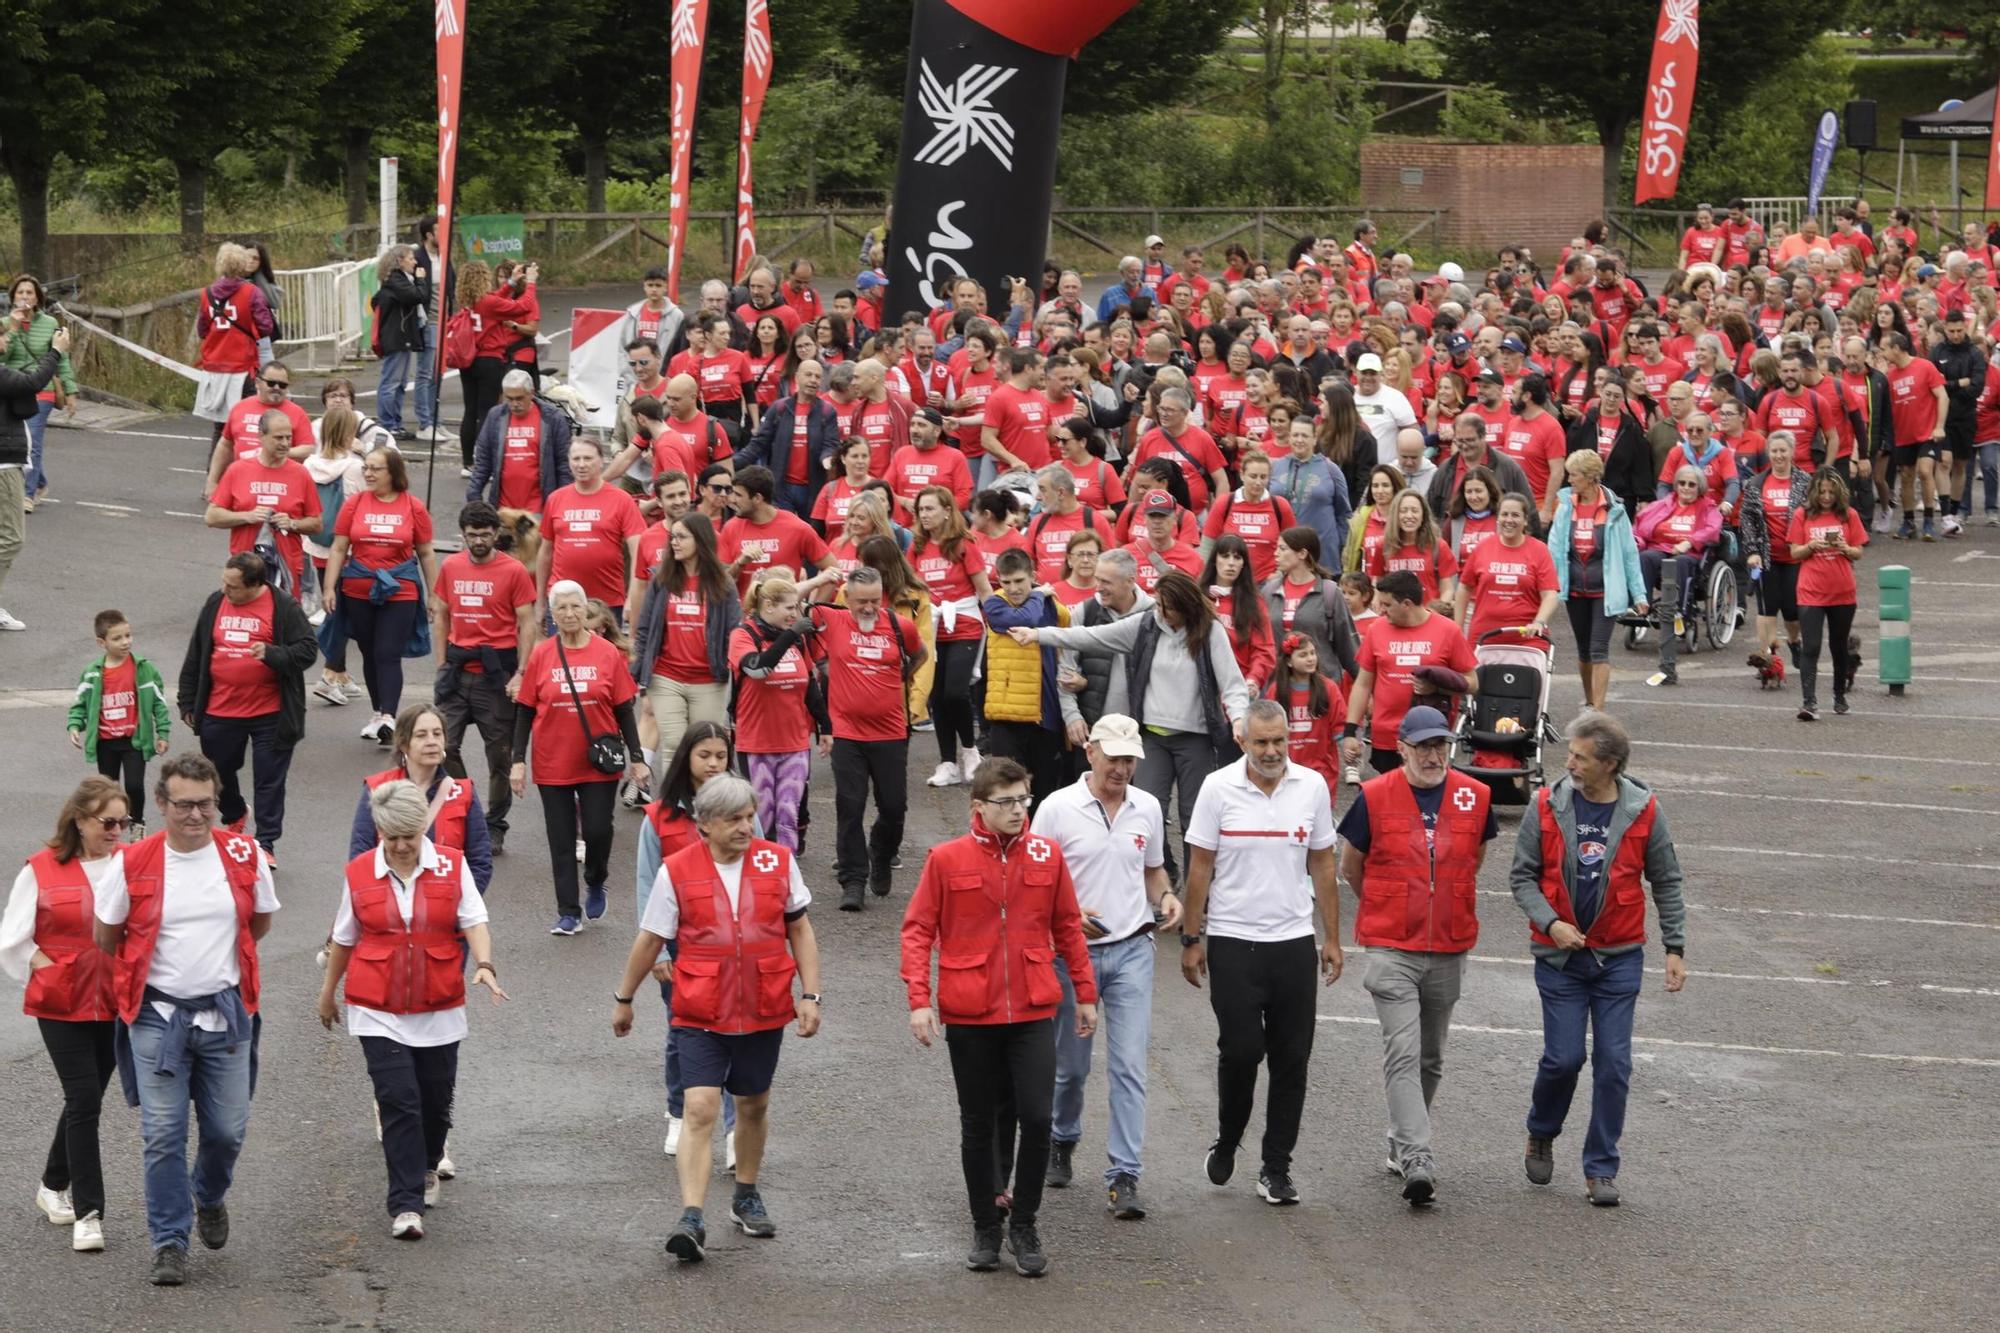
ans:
(1261, 891)
(1108, 856)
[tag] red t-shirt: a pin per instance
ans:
(1206, 458)
(118, 703)
(587, 536)
(771, 713)
(950, 580)
(240, 685)
(1474, 534)
(722, 376)
(483, 599)
(798, 460)
(700, 438)
(1777, 497)
(1802, 413)
(881, 425)
(1049, 535)
(1703, 247)
(684, 637)
(602, 682)
(864, 688)
(652, 546)
(1097, 483)
(912, 469)
(991, 549)
(1069, 594)
(1826, 578)
(1537, 446)
(1020, 417)
(1257, 523)
(1431, 567)
(1658, 375)
(1506, 584)
(975, 389)
(1912, 402)
(285, 489)
(787, 317)
(830, 506)
(245, 424)
(1314, 741)
(382, 534)
(786, 540)
(1392, 653)
(521, 461)
(1583, 534)
(1177, 556)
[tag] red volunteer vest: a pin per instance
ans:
(1413, 896)
(673, 828)
(145, 882)
(76, 987)
(416, 968)
(448, 829)
(734, 972)
(1622, 917)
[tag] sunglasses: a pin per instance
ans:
(113, 824)
(277, 384)
(719, 490)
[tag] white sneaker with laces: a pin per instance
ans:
(372, 728)
(432, 1190)
(8, 621)
(673, 1134)
(329, 690)
(447, 1169)
(407, 1226)
(55, 1206)
(729, 1151)
(353, 689)
(86, 1235)
(968, 759)
(946, 776)
(1952, 527)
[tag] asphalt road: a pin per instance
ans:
(1807, 1142)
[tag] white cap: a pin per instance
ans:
(1152, 241)
(1368, 361)
(1118, 736)
(1451, 272)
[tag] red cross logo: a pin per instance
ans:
(1139, 841)
(1302, 832)
(240, 849)
(765, 860)
(444, 865)
(1464, 800)
(1038, 850)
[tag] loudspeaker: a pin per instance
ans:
(1860, 119)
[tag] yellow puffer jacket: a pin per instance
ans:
(1014, 676)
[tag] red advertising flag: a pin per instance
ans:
(756, 82)
(1663, 120)
(687, 31)
(450, 16)
(1993, 156)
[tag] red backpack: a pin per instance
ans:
(461, 342)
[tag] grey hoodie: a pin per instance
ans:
(1663, 868)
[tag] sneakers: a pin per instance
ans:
(1058, 1176)
(1029, 1261)
(446, 1169)
(566, 925)
(688, 1241)
(1123, 1198)
(1419, 1179)
(1840, 704)
(1810, 712)
(212, 1225)
(407, 1226)
(984, 1256)
(1276, 1188)
(750, 1217)
(329, 689)
(55, 1205)
(498, 837)
(433, 1191)
(87, 1235)
(353, 689)
(10, 621)
(1950, 525)
(852, 896)
(1541, 1160)
(437, 435)
(968, 759)
(1993, 518)
(947, 775)
(879, 883)
(380, 728)
(729, 1151)
(1907, 531)
(1603, 1191)
(1220, 1163)
(1930, 528)
(1883, 517)
(170, 1266)
(1669, 676)
(594, 902)
(673, 1134)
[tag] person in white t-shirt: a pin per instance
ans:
(1384, 408)
(1260, 854)
(183, 930)
(403, 906)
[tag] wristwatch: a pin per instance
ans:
(622, 999)
(1189, 941)
(810, 995)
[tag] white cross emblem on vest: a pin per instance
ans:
(1038, 850)
(444, 865)
(1464, 800)
(240, 849)
(765, 861)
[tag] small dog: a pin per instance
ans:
(520, 536)
(1770, 669)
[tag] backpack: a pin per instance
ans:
(375, 325)
(461, 343)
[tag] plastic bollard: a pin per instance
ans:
(1892, 648)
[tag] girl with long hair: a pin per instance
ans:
(1410, 543)
(689, 610)
(954, 571)
(1240, 607)
(779, 704)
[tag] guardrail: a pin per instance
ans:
(323, 313)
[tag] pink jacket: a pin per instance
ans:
(1707, 526)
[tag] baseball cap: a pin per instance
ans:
(1513, 345)
(1157, 502)
(1492, 377)
(1927, 270)
(1118, 736)
(1451, 272)
(932, 415)
(1368, 361)
(1152, 241)
(869, 281)
(1457, 342)
(1422, 724)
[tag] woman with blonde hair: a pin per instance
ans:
(399, 303)
(231, 319)
(779, 703)
(336, 469)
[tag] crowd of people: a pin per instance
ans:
(1230, 541)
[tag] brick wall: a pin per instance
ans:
(1534, 194)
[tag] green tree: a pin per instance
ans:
(1895, 21)
(387, 82)
(1597, 69)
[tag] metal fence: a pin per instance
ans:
(323, 313)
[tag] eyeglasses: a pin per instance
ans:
(1006, 802)
(113, 824)
(203, 807)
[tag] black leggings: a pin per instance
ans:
(567, 810)
(383, 631)
(992, 1064)
(119, 759)
(1836, 622)
(951, 696)
(1592, 627)
(480, 383)
(81, 1053)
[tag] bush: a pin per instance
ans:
(1760, 142)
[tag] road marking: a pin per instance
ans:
(1947, 583)
(1812, 915)
(191, 471)
(1731, 1047)
(1892, 713)
(157, 435)
(175, 513)
(1823, 800)
(93, 504)
(1820, 754)
(1713, 976)
(1957, 990)
(1838, 856)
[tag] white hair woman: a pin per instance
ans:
(403, 906)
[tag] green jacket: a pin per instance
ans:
(24, 349)
(155, 718)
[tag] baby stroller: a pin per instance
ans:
(1499, 738)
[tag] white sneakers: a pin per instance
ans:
(673, 1134)
(86, 1235)
(55, 1206)
(379, 726)
(447, 1169)
(968, 759)
(330, 690)
(947, 775)
(432, 1189)
(8, 621)
(1951, 526)
(407, 1226)
(729, 1152)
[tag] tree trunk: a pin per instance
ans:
(31, 188)
(1611, 133)
(1275, 12)
(356, 141)
(193, 178)
(596, 165)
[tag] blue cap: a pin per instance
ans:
(1456, 342)
(1513, 345)
(869, 281)
(1927, 270)
(1423, 723)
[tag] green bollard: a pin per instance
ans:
(1892, 648)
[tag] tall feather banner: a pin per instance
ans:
(756, 82)
(687, 32)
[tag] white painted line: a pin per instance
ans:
(1889, 711)
(1715, 976)
(1819, 754)
(92, 504)
(175, 513)
(1811, 915)
(1946, 583)
(1968, 1061)
(1958, 990)
(1838, 856)
(191, 471)
(1822, 800)
(158, 435)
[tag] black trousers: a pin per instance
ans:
(480, 700)
(584, 808)
(858, 765)
(413, 1089)
(480, 383)
(1036, 749)
(224, 741)
(1264, 997)
(951, 696)
(122, 761)
(81, 1053)
(381, 631)
(991, 1062)
(1834, 623)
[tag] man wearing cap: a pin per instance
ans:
(1514, 365)
(1113, 836)
(922, 463)
(1155, 269)
(1159, 547)
(1384, 409)
(1411, 846)
(1130, 283)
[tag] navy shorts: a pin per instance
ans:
(742, 1064)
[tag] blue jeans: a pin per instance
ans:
(676, 1086)
(426, 370)
(1987, 456)
(389, 393)
(216, 1081)
(1602, 994)
(984, 470)
(1125, 1014)
(36, 481)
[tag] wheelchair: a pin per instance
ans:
(1716, 608)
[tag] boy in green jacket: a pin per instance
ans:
(120, 717)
